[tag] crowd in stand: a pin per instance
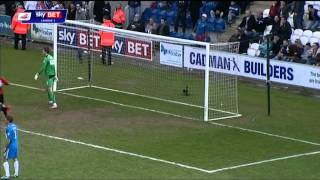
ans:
(253, 26)
(203, 17)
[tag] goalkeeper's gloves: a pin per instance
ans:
(36, 76)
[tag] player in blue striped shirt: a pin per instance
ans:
(12, 148)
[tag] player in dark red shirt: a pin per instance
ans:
(3, 108)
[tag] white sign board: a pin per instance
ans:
(253, 67)
(171, 54)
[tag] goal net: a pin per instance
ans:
(149, 72)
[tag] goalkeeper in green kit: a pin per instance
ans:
(48, 68)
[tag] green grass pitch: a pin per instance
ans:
(293, 129)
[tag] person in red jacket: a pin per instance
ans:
(3, 108)
(119, 17)
(19, 29)
(107, 39)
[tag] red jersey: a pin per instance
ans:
(3, 81)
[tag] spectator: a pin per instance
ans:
(163, 28)
(134, 8)
(84, 5)
(276, 46)
(71, 12)
(218, 14)
(223, 7)
(263, 47)
(274, 9)
(90, 8)
(20, 30)
(284, 9)
(314, 18)
(106, 9)
(260, 24)
(107, 40)
(285, 29)
(283, 53)
(244, 42)
(151, 27)
(201, 29)
(98, 10)
(295, 51)
(306, 53)
(194, 11)
(181, 16)
(234, 11)
(80, 13)
(248, 23)
(41, 5)
(298, 11)
(56, 5)
(275, 26)
(136, 24)
(48, 4)
(312, 54)
(30, 5)
(119, 17)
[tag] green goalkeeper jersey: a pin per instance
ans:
(48, 66)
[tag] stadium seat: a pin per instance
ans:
(307, 33)
(298, 32)
(251, 52)
(316, 34)
(188, 36)
(172, 34)
(266, 13)
(314, 40)
(294, 37)
(179, 35)
(316, 6)
(310, 2)
(304, 40)
(254, 46)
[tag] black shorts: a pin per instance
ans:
(1, 99)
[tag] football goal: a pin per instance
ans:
(155, 72)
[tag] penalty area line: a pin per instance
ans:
(115, 150)
(265, 161)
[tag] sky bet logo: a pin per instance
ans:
(43, 16)
(50, 14)
(170, 51)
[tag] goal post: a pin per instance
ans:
(145, 67)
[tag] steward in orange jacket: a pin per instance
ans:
(20, 30)
(107, 39)
(119, 17)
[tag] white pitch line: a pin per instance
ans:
(265, 133)
(178, 116)
(115, 150)
(264, 161)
